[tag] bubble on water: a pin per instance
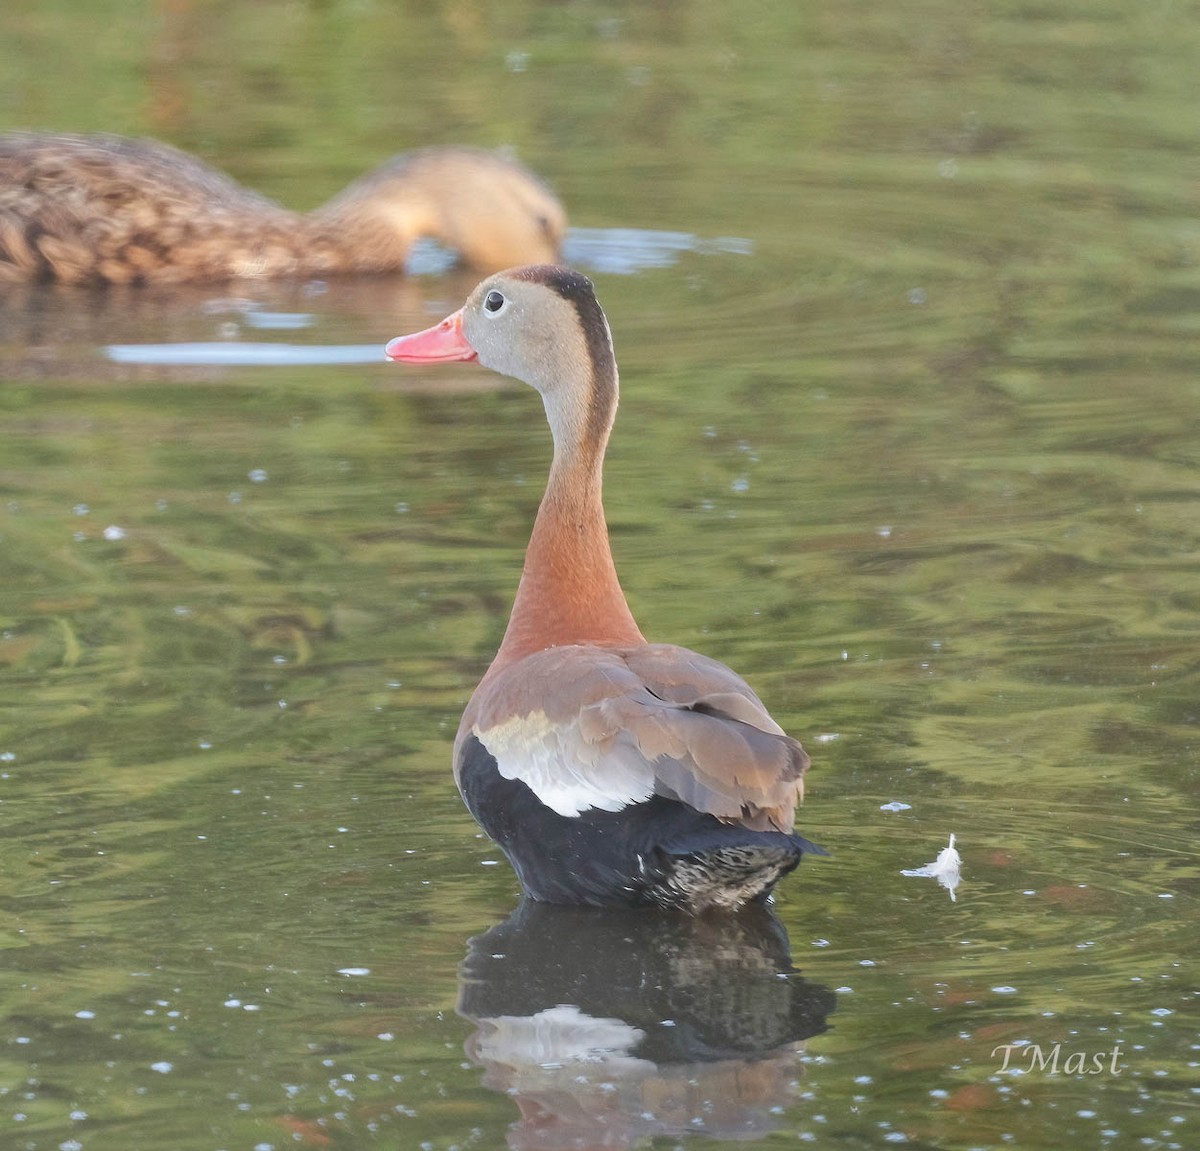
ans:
(81, 510)
(258, 476)
(354, 971)
(162, 1067)
(895, 805)
(112, 532)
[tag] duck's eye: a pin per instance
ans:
(493, 302)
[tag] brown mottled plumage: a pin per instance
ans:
(610, 770)
(96, 209)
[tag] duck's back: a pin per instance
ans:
(105, 208)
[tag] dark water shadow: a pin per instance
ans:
(196, 332)
(610, 1027)
(193, 331)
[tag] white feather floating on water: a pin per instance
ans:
(945, 869)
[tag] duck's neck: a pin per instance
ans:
(356, 233)
(569, 592)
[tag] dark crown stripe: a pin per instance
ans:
(577, 289)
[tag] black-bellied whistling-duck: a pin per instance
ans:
(96, 209)
(610, 770)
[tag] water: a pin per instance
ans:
(918, 455)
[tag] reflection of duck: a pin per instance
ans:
(612, 1026)
(109, 209)
(610, 770)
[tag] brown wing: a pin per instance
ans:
(591, 727)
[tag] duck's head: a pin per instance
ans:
(492, 211)
(541, 324)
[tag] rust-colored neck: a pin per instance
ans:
(569, 592)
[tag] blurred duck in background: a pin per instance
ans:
(108, 209)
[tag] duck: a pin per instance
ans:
(610, 770)
(107, 209)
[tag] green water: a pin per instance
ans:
(920, 458)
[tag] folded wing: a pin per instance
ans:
(588, 727)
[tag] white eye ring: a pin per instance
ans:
(494, 303)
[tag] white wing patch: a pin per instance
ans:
(565, 771)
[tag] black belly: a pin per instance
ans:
(660, 852)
